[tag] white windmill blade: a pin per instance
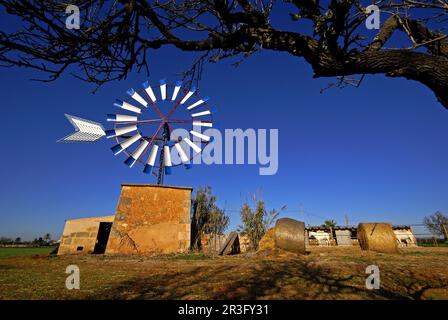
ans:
(126, 144)
(176, 90)
(202, 124)
(183, 156)
(167, 159)
(132, 159)
(121, 118)
(134, 95)
(188, 95)
(200, 135)
(202, 113)
(127, 106)
(192, 145)
(149, 91)
(152, 159)
(119, 131)
(85, 130)
(163, 89)
(167, 156)
(198, 103)
(181, 152)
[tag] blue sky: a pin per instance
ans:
(374, 153)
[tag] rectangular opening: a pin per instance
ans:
(102, 237)
(79, 248)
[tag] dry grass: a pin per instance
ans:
(324, 273)
(268, 240)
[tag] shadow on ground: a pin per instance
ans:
(267, 279)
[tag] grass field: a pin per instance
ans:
(440, 244)
(21, 252)
(324, 273)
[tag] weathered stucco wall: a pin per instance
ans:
(151, 219)
(405, 238)
(319, 238)
(343, 237)
(81, 233)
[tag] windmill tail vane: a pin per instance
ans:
(85, 130)
(163, 110)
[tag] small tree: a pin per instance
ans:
(38, 242)
(18, 240)
(330, 224)
(4, 240)
(47, 237)
(437, 224)
(207, 217)
(256, 221)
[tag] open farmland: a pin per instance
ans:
(324, 273)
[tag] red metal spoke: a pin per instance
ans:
(139, 121)
(171, 131)
(152, 141)
(154, 105)
(187, 121)
(170, 113)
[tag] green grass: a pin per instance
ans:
(188, 256)
(21, 252)
(439, 244)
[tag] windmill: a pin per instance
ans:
(143, 128)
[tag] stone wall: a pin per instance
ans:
(244, 243)
(343, 237)
(80, 235)
(151, 219)
(211, 243)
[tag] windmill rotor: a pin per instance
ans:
(143, 129)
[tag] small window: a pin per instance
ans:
(79, 248)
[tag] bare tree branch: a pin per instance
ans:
(116, 37)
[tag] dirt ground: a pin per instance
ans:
(324, 273)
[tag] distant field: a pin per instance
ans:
(442, 244)
(323, 273)
(21, 252)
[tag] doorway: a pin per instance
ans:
(102, 237)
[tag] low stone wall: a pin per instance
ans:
(80, 235)
(244, 243)
(211, 243)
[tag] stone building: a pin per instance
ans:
(85, 235)
(319, 237)
(405, 236)
(150, 219)
(323, 236)
(347, 236)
